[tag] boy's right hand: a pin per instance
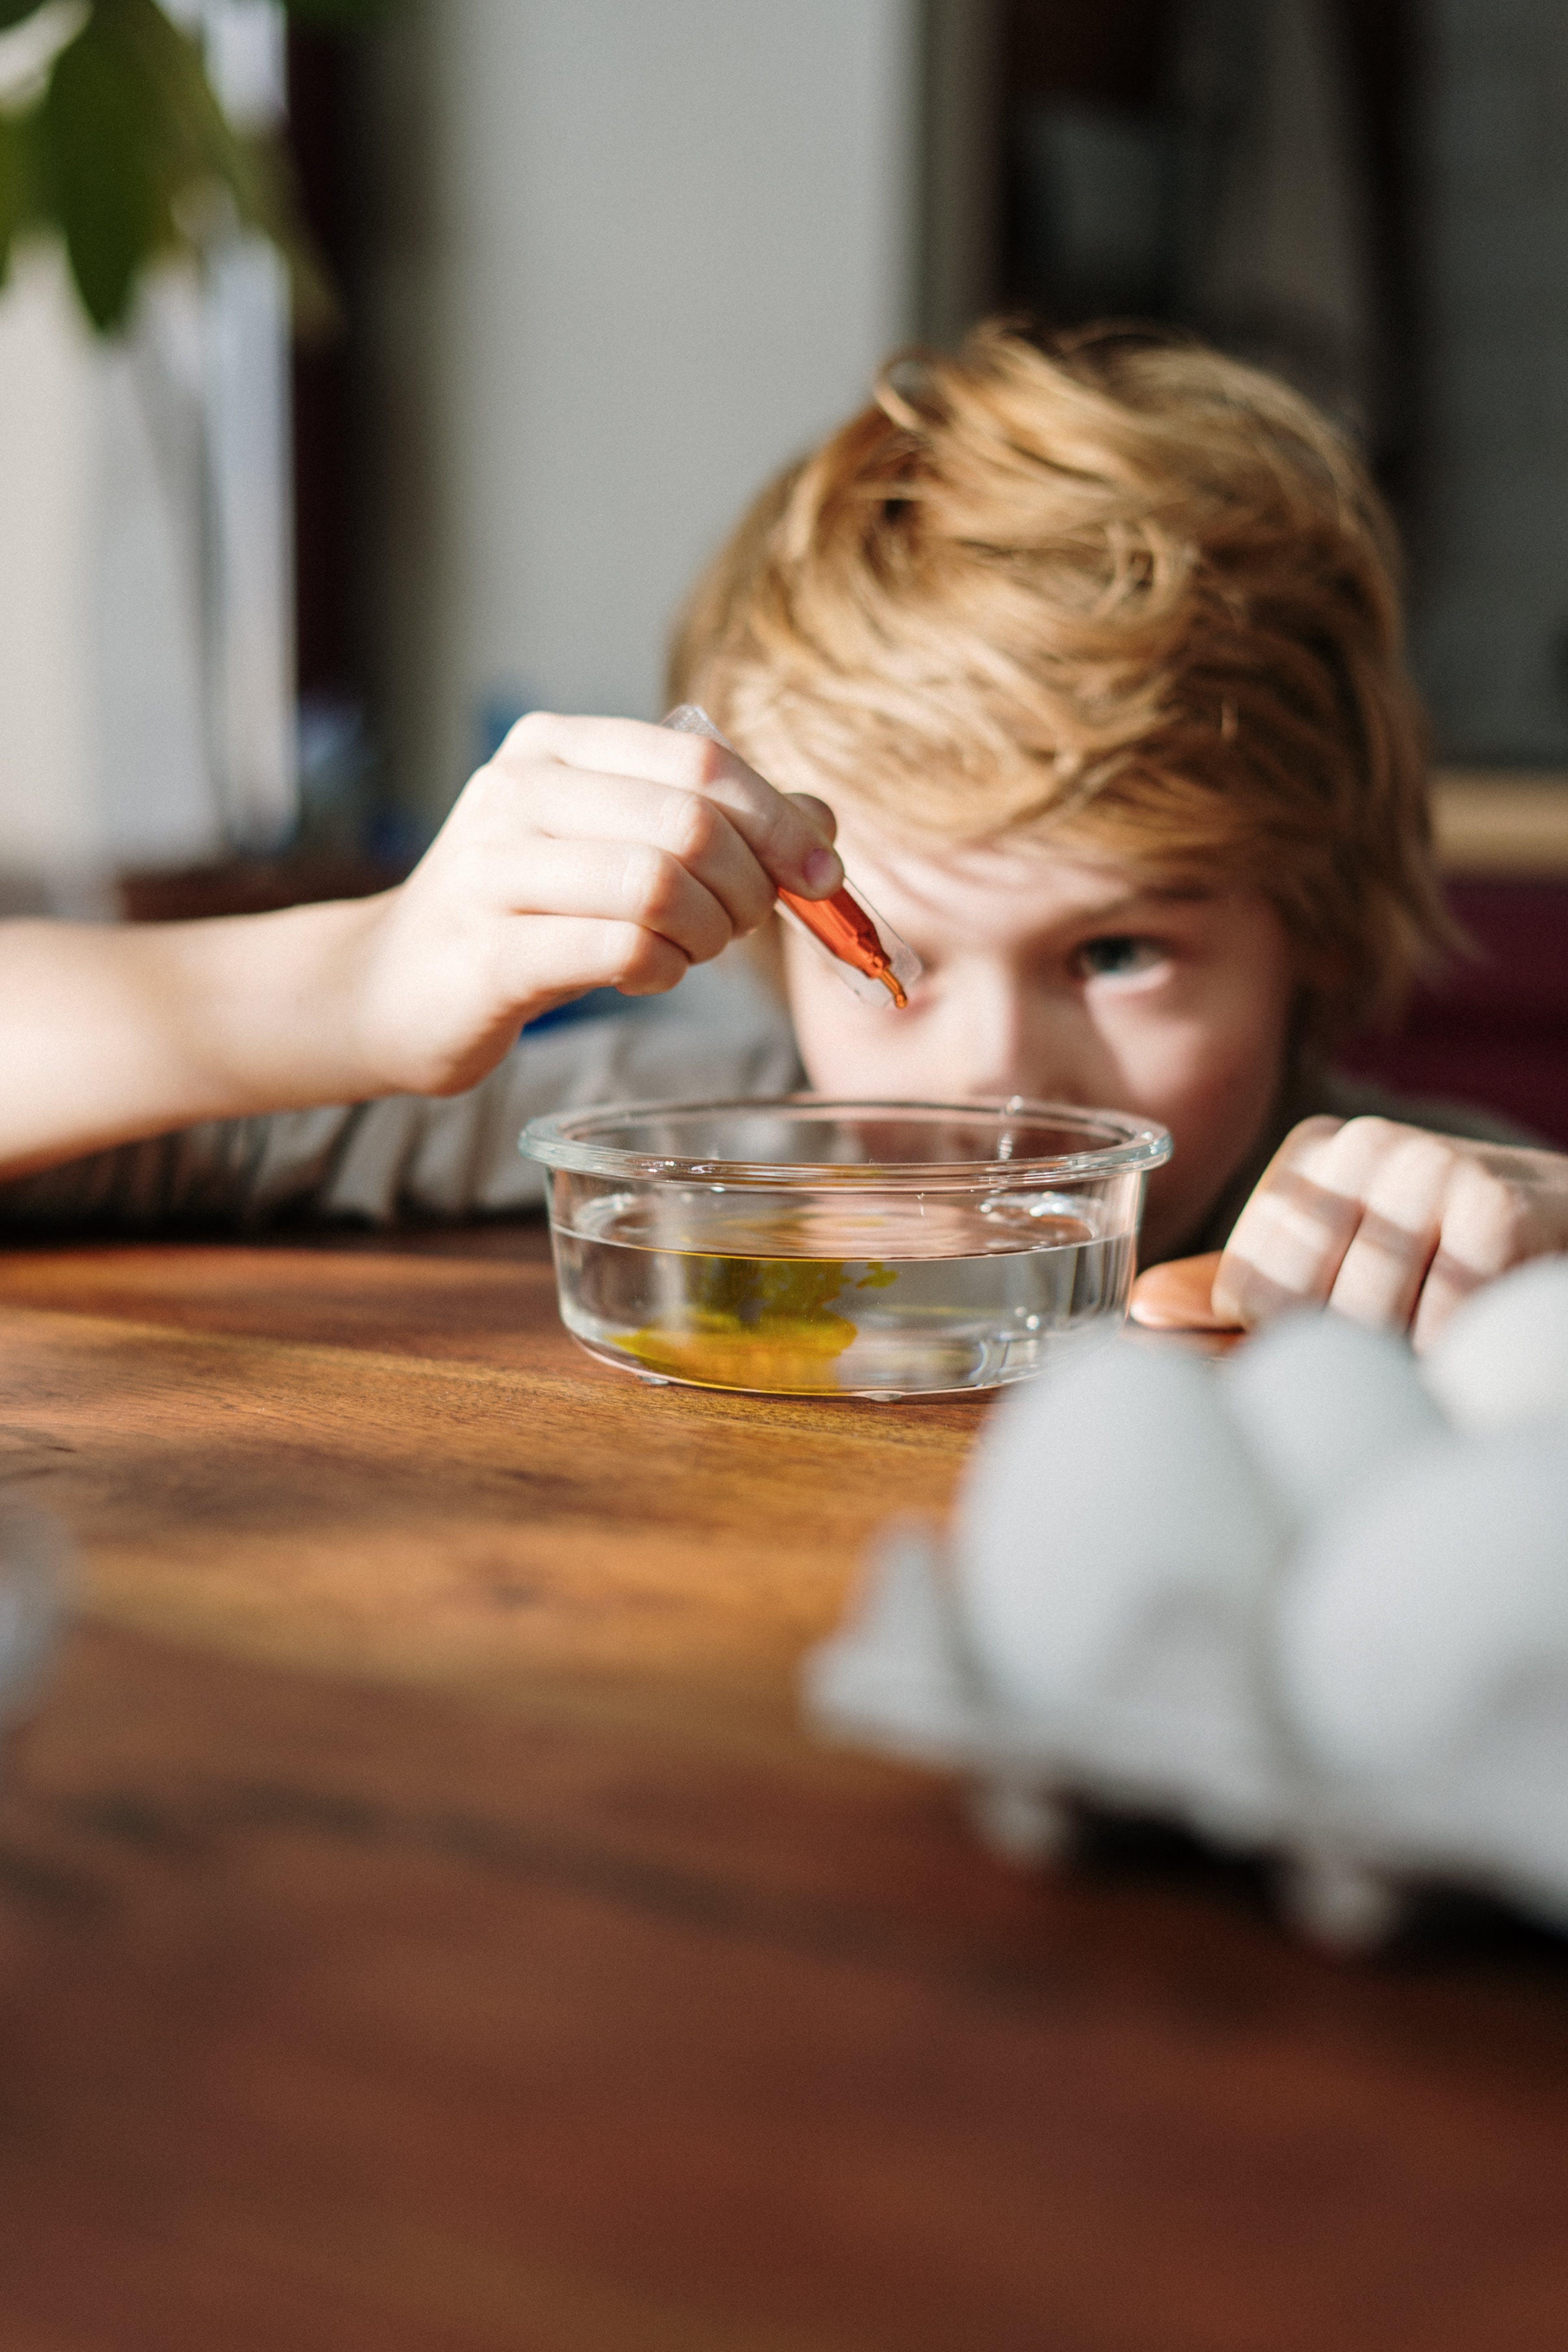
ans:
(590, 852)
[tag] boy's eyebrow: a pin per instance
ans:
(1171, 893)
(1124, 897)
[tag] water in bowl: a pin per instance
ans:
(744, 1291)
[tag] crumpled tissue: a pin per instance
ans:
(1311, 1602)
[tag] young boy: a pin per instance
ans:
(1094, 653)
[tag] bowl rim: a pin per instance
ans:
(1142, 1145)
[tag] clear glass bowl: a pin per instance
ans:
(842, 1248)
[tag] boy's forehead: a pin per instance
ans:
(1015, 881)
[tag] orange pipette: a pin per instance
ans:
(841, 925)
(846, 931)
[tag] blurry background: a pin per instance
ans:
(601, 266)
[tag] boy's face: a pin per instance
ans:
(1066, 978)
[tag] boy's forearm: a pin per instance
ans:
(110, 1033)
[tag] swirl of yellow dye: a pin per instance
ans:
(752, 1323)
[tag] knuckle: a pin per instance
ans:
(481, 818)
(1370, 1134)
(625, 954)
(692, 826)
(815, 813)
(1485, 1224)
(641, 964)
(1495, 1213)
(1417, 1149)
(532, 732)
(703, 762)
(749, 909)
(654, 879)
(1307, 1137)
(1410, 1163)
(490, 793)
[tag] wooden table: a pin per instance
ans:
(425, 1927)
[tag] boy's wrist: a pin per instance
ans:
(354, 1047)
(265, 1012)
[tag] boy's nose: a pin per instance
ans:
(1017, 1041)
(1003, 1056)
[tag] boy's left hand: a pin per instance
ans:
(1388, 1224)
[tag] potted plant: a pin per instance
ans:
(126, 152)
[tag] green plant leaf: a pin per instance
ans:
(201, 145)
(20, 203)
(103, 179)
(131, 138)
(13, 190)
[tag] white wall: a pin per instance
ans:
(662, 245)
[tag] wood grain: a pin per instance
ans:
(427, 1479)
(424, 1928)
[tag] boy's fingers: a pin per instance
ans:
(1179, 1297)
(615, 747)
(628, 882)
(1388, 1224)
(1404, 1199)
(780, 834)
(558, 956)
(817, 813)
(1291, 1238)
(1486, 1228)
(575, 814)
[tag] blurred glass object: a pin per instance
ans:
(338, 769)
(246, 540)
(32, 1591)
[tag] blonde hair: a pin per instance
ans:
(1117, 588)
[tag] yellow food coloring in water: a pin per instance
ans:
(755, 1322)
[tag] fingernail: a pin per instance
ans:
(823, 871)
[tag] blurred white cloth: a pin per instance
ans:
(1312, 1602)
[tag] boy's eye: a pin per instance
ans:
(1120, 956)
